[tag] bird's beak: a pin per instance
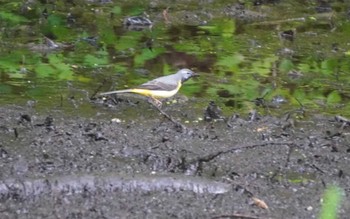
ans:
(194, 74)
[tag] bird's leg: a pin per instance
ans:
(158, 104)
(178, 124)
(155, 102)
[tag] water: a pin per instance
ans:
(286, 49)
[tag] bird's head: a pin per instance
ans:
(186, 74)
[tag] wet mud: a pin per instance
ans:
(146, 166)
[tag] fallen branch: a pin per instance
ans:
(72, 184)
(236, 216)
(212, 156)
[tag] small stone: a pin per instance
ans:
(309, 208)
(165, 139)
(213, 112)
(116, 120)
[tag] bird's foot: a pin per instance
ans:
(155, 102)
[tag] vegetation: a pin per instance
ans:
(300, 55)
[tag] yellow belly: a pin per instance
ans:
(157, 93)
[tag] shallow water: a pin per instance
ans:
(287, 49)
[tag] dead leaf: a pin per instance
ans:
(260, 203)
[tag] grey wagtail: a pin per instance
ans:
(162, 87)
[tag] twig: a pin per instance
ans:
(165, 15)
(342, 119)
(301, 109)
(288, 156)
(61, 100)
(212, 156)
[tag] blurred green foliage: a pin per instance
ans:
(331, 202)
(240, 60)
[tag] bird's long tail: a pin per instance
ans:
(116, 92)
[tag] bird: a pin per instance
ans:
(159, 88)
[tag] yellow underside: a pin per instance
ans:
(157, 93)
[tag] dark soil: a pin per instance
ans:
(58, 166)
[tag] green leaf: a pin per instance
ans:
(228, 28)
(329, 66)
(13, 18)
(145, 55)
(286, 65)
(188, 46)
(116, 10)
(44, 70)
(136, 10)
(11, 62)
(120, 67)
(128, 41)
(8, 65)
(263, 66)
(231, 62)
(225, 28)
(4, 88)
(304, 67)
(334, 97)
(299, 94)
(331, 202)
(55, 68)
(92, 60)
(54, 20)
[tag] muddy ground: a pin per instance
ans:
(144, 166)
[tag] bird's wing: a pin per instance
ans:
(158, 85)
